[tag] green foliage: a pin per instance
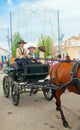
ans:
(47, 42)
(37, 52)
(16, 39)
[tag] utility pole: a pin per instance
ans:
(10, 34)
(8, 39)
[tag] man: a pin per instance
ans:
(31, 53)
(21, 52)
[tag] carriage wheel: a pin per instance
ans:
(48, 94)
(35, 90)
(15, 95)
(6, 86)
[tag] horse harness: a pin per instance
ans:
(74, 80)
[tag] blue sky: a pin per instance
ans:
(69, 13)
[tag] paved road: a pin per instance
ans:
(35, 113)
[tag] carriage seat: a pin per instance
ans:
(18, 64)
(27, 60)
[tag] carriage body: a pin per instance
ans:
(33, 81)
(34, 72)
(69, 79)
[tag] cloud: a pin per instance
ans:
(9, 2)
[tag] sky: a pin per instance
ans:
(69, 14)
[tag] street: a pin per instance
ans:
(35, 113)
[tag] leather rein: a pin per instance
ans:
(75, 81)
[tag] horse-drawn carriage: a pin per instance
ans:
(33, 81)
(64, 75)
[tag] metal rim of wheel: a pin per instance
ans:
(48, 94)
(35, 90)
(15, 95)
(6, 86)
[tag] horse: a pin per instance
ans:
(65, 75)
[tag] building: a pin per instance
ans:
(70, 47)
(3, 54)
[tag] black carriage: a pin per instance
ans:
(34, 80)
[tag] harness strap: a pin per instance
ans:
(75, 68)
(75, 82)
(74, 75)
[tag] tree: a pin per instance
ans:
(47, 42)
(15, 40)
(48, 45)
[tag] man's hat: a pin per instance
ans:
(22, 41)
(31, 47)
(42, 48)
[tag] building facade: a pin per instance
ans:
(70, 47)
(3, 55)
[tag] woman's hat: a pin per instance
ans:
(42, 48)
(22, 41)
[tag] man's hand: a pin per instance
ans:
(22, 56)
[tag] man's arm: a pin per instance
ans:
(25, 53)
